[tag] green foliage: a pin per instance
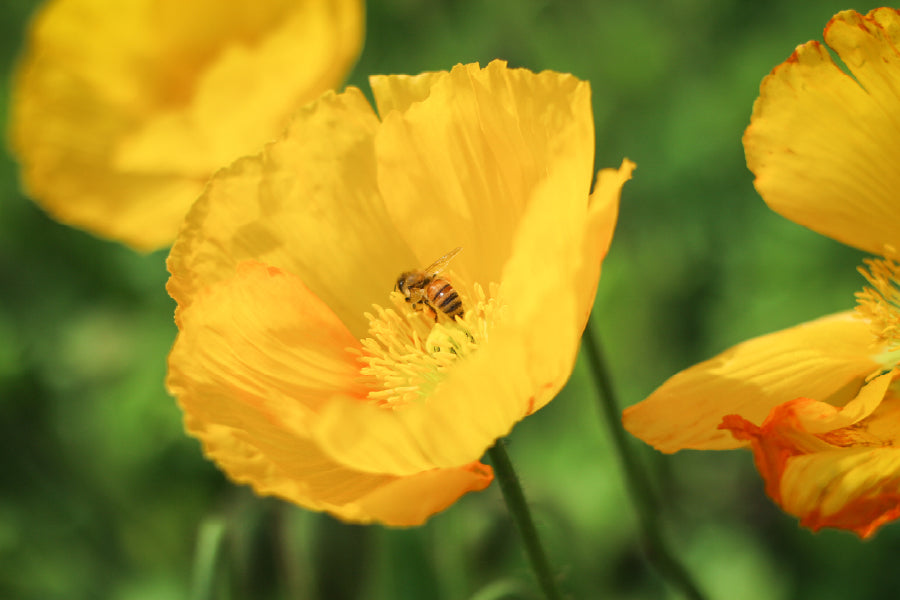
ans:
(103, 496)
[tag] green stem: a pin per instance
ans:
(518, 509)
(669, 567)
(207, 556)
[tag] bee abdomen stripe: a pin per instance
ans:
(452, 310)
(451, 297)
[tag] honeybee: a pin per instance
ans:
(424, 287)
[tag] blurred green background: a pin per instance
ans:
(103, 496)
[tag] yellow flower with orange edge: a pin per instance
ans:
(316, 362)
(121, 111)
(817, 403)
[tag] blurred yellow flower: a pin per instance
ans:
(121, 111)
(286, 366)
(824, 147)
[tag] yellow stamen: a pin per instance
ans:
(408, 353)
(880, 303)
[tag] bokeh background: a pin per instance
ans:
(103, 496)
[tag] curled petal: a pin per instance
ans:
(831, 466)
(856, 489)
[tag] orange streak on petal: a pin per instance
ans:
(827, 464)
(770, 452)
(862, 516)
(262, 342)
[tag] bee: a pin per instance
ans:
(424, 287)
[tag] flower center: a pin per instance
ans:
(408, 353)
(880, 301)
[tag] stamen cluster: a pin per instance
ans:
(880, 303)
(408, 353)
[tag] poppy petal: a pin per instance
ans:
(294, 469)
(829, 465)
(261, 208)
(261, 343)
(823, 145)
(827, 358)
(857, 489)
(463, 163)
(118, 131)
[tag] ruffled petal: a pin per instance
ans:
(294, 469)
(463, 163)
(313, 190)
(398, 92)
(824, 145)
(828, 358)
(117, 131)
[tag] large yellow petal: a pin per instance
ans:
(309, 205)
(398, 92)
(410, 500)
(551, 278)
(294, 469)
(826, 359)
(261, 343)
(460, 165)
(454, 426)
(824, 145)
(291, 53)
(118, 130)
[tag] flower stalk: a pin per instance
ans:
(207, 558)
(518, 509)
(658, 552)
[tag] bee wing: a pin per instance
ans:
(441, 263)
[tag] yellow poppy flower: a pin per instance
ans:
(817, 403)
(299, 369)
(121, 111)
